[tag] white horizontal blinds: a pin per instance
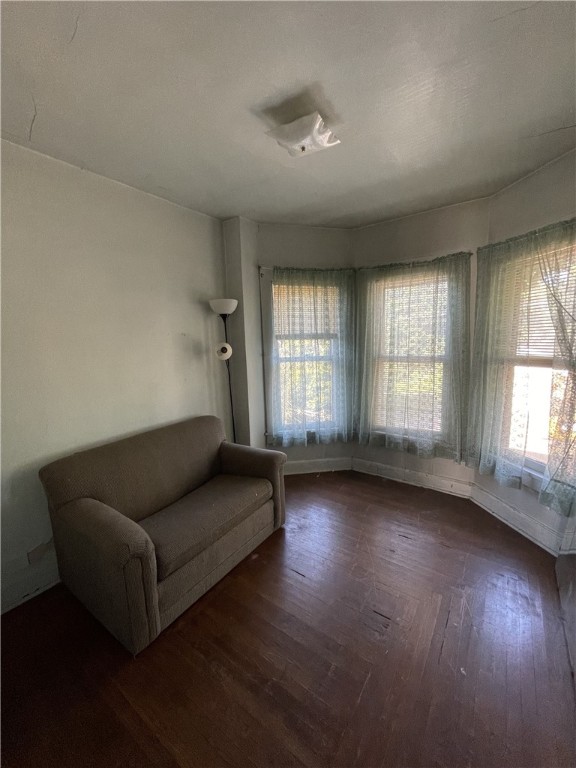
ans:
(312, 315)
(528, 347)
(524, 390)
(558, 269)
(410, 314)
(529, 362)
(558, 272)
(535, 337)
(413, 350)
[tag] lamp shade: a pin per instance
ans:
(223, 306)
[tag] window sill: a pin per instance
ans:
(532, 479)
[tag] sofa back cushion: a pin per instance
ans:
(139, 475)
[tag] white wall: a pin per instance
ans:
(106, 331)
(544, 197)
(236, 331)
(241, 245)
(253, 330)
(426, 235)
(286, 245)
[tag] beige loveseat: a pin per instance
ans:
(146, 525)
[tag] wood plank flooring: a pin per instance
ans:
(386, 625)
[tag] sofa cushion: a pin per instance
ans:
(187, 584)
(182, 530)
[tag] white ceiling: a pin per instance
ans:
(435, 103)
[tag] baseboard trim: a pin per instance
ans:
(411, 477)
(535, 530)
(311, 466)
(568, 544)
(540, 533)
(13, 602)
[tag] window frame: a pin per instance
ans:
(522, 360)
(333, 427)
(329, 423)
(411, 433)
(513, 362)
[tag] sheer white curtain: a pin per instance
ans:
(523, 404)
(312, 356)
(413, 355)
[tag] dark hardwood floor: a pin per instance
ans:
(387, 625)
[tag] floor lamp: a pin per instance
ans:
(224, 308)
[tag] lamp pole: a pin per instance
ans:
(224, 308)
(224, 320)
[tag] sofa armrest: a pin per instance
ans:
(108, 561)
(258, 462)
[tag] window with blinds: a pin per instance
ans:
(522, 413)
(312, 355)
(307, 332)
(410, 353)
(413, 355)
(534, 386)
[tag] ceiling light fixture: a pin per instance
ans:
(304, 136)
